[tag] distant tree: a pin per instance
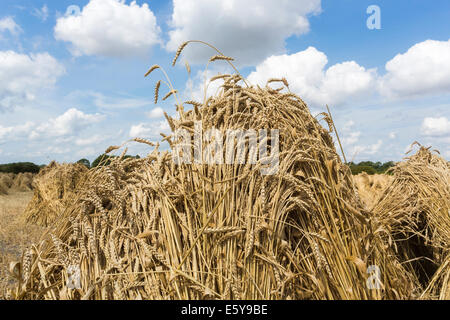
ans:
(387, 165)
(370, 167)
(84, 162)
(367, 169)
(19, 167)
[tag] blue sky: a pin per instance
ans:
(71, 84)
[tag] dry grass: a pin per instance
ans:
(152, 229)
(415, 212)
(371, 187)
(15, 234)
(54, 189)
(10, 182)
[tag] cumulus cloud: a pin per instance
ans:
(195, 88)
(423, 69)
(307, 75)
(249, 34)
(351, 138)
(52, 141)
(14, 132)
(8, 24)
(371, 149)
(86, 152)
(348, 125)
(23, 76)
(69, 123)
(95, 139)
(155, 113)
(149, 130)
(436, 127)
(374, 148)
(102, 101)
(110, 28)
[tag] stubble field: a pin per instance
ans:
(15, 233)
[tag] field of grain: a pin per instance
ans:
(294, 224)
(11, 183)
(15, 234)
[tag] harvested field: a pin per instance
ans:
(15, 233)
(54, 189)
(288, 224)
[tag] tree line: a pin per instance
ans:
(22, 167)
(103, 160)
(370, 167)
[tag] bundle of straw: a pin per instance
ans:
(153, 229)
(371, 187)
(415, 209)
(54, 190)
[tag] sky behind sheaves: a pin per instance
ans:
(72, 84)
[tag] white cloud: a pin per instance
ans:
(155, 113)
(42, 13)
(23, 76)
(348, 125)
(86, 152)
(436, 126)
(57, 150)
(13, 132)
(95, 139)
(149, 130)
(351, 138)
(423, 69)
(110, 28)
(103, 101)
(8, 24)
(374, 148)
(306, 74)
(195, 88)
(248, 33)
(70, 123)
(392, 135)
(367, 149)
